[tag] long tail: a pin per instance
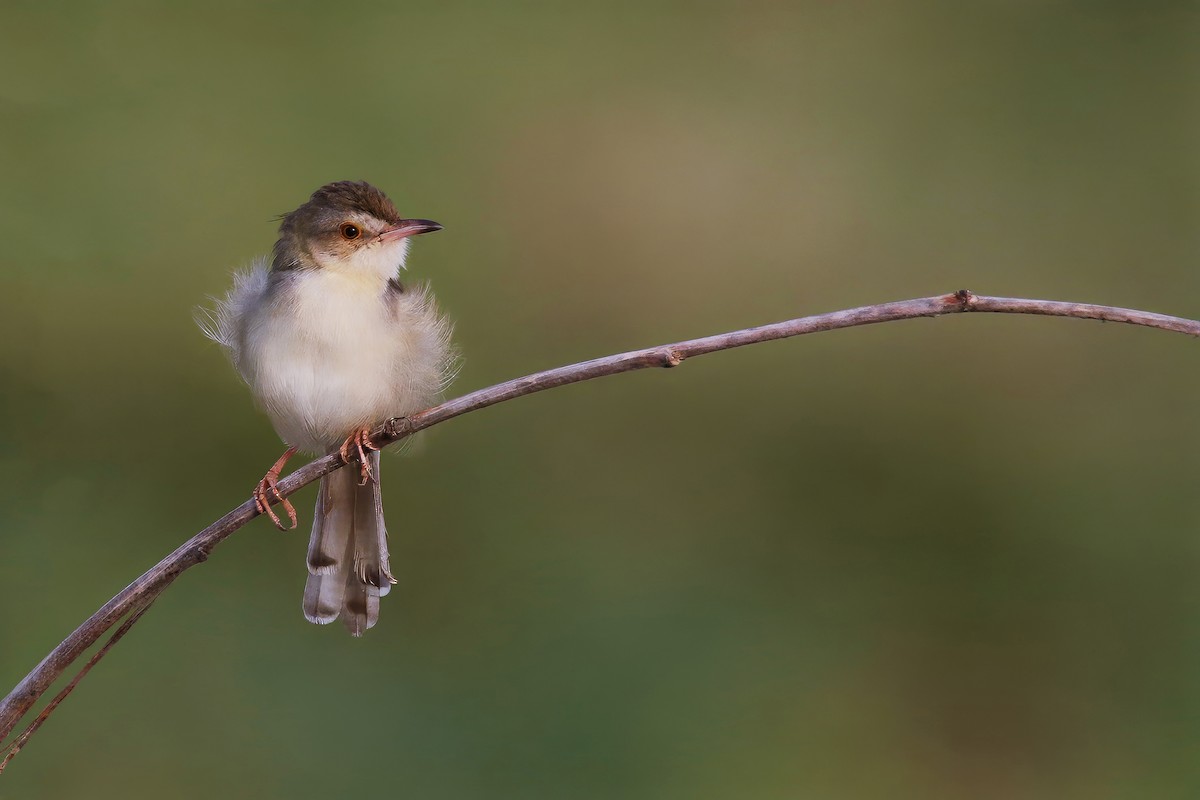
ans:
(348, 554)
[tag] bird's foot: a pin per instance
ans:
(359, 442)
(267, 491)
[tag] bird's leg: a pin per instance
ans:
(270, 483)
(360, 441)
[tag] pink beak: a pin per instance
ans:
(408, 227)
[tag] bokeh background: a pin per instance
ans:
(933, 559)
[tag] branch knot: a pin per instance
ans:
(397, 428)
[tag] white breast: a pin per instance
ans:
(329, 352)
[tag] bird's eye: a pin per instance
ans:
(350, 231)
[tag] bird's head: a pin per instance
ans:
(347, 226)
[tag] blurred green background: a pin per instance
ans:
(934, 559)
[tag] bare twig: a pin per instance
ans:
(197, 549)
(10, 751)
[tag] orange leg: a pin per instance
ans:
(361, 442)
(270, 483)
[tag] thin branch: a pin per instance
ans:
(198, 548)
(10, 751)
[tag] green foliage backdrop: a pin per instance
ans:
(934, 559)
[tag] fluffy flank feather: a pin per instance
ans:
(429, 332)
(222, 322)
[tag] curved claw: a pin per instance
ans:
(270, 484)
(359, 441)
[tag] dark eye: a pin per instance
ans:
(350, 231)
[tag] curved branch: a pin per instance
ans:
(198, 548)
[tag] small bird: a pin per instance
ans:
(331, 343)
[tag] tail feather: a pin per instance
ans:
(328, 547)
(347, 554)
(360, 611)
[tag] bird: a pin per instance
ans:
(331, 342)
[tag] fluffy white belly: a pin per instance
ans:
(324, 358)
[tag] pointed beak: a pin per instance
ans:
(408, 227)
